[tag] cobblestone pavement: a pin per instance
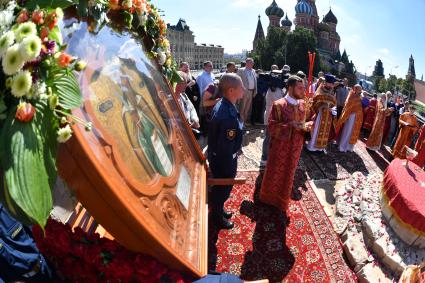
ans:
(333, 165)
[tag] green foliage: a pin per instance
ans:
(300, 41)
(56, 35)
(66, 87)
(32, 4)
(344, 57)
(28, 158)
(271, 50)
(296, 46)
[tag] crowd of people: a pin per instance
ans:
(329, 112)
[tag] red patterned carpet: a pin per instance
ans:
(261, 246)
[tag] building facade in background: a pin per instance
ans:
(184, 49)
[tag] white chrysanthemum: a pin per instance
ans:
(127, 4)
(59, 13)
(6, 40)
(161, 57)
(7, 16)
(37, 90)
(12, 61)
(143, 18)
(24, 30)
(30, 47)
(21, 84)
(64, 134)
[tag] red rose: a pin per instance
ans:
(117, 270)
(38, 17)
(44, 33)
(23, 17)
(64, 60)
(25, 112)
(51, 20)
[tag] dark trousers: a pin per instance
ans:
(339, 111)
(395, 137)
(219, 194)
(257, 113)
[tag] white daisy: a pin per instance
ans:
(12, 61)
(161, 57)
(143, 18)
(6, 40)
(30, 47)
(37, 90)
(21, 84)
(24, 30)
(64, 134)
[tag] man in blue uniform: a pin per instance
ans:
(20, 259)
(224, 141)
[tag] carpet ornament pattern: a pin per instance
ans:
(263, 245)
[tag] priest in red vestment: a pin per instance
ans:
(287, 127)
(420, 148)
(408, 124)
(370, 113)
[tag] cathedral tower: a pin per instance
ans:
(411, 74)
(259, 34)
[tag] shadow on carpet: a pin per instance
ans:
(262, 244)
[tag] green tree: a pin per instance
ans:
(383, 85)
(344, 57)
(271, 50)
(300, 41)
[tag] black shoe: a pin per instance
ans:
(227, 214)
(223, 224)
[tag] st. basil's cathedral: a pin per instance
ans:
(306, 16)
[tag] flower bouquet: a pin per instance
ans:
(80, 257)
(39, 89)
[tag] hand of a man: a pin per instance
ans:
(308, 126)
(297, 125)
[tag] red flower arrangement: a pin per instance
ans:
(81, 257)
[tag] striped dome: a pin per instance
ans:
(286, 22)
(274, 10)
(303, 7)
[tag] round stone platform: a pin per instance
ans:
(369, 242)
(403, 201)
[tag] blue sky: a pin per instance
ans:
(389, 30)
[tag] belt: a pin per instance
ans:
(234, 155)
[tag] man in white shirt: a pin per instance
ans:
(249, 80)
(205, 78)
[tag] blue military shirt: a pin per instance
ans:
(224, 139)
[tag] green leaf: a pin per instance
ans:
(56, 35)
(28, 157)
(66, 87)
(32, 4)
(83, 8)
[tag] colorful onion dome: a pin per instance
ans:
(274, 10)
(286, 22)
(303, 7)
